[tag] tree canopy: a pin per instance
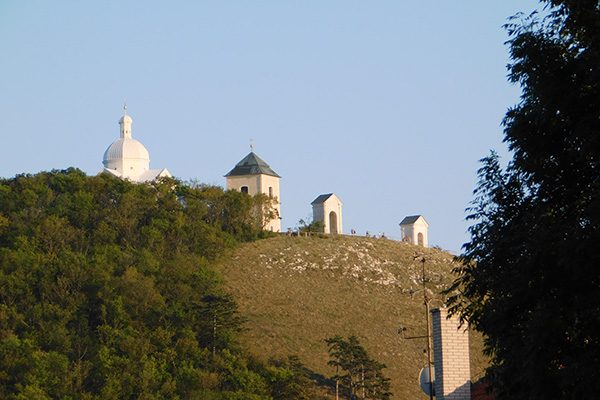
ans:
(529, 278)
(108, 291)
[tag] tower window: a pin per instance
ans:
(244, 189)
(270, 191)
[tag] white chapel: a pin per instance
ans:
(414, 230)
(127, 158)
(328, 208)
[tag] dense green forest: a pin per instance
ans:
(108, 291)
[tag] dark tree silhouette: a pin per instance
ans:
(530, 276)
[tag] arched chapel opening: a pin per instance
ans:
(333, 222)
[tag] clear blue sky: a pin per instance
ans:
(388, 104)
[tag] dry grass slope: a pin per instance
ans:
(296, 292)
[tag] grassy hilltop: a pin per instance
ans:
(297, 291)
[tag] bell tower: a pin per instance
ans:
(253, 175)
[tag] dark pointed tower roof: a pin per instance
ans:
(252, 165)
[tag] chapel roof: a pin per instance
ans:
(252, 165)
(411, 219)
(322, 198)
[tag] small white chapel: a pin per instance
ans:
(328, 209)
(414, 230)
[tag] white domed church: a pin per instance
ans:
(128, 159)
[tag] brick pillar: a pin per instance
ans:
(451, 357)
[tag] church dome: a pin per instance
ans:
(126, 158)
(126, 148)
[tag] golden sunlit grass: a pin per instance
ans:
(297, 291)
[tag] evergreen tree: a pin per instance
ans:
(529, 279)
(356, 371)
(223, 322)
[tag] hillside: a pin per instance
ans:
(297, 291)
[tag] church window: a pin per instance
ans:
(270, 191)
(244, 189)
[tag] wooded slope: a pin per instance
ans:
(107, 291)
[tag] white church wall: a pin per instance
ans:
(269, 185)
(252, 182)
(319, 215)
(268, 181)
(407, 233)
(134, 168)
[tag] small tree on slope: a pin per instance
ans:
(359, 374)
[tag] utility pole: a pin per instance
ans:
(426, 300)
